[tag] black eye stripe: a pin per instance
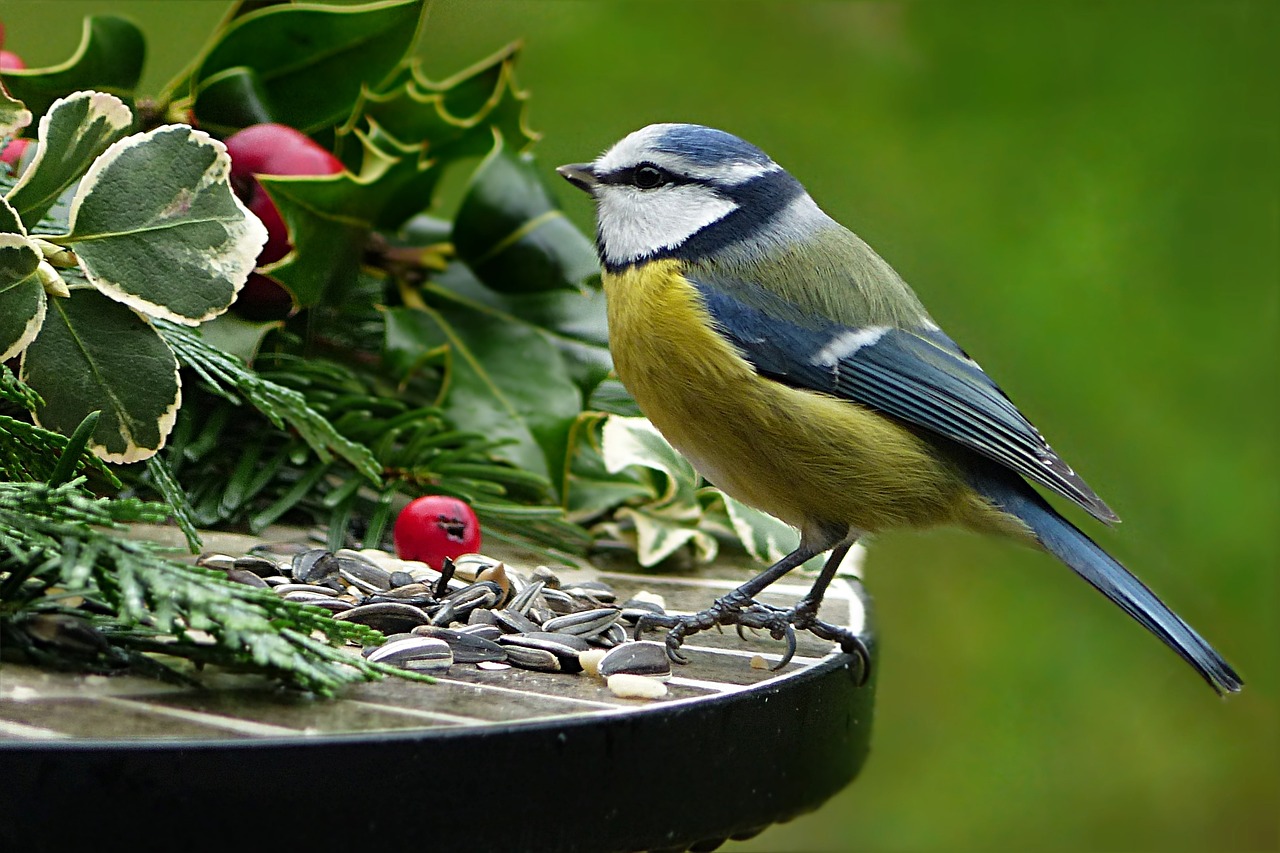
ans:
(636, 176)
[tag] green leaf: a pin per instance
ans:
(74, 131)
(233, 99)
(163, 480)
(453, 116)
(95, 354)
(512, 234)
(400, 179)
(636, 441)
(592, 490)
(328, 219)
(9, 220)
(658, 536)
(109, 59)
(156, 225)
(22, 299)
(236, 335)
(14, 115)
(573, 320)
(64, 471)
(505, 382)
(312, 60)
(766, 538)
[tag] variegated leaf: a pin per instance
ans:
(156, 225)
(74, 131)
(94, 354)
(22, 299)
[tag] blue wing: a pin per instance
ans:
(920, 377)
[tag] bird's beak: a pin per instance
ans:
(581, 175)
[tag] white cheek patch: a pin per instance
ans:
(635, 223)
(846, 344)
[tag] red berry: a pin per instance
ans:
(271, 149)
(13, 152)
(263, 299)
(433, 527)
(10, 61)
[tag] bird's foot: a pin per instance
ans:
(723, 611)
(781, 623)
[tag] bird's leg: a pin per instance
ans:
(725, 610)
(804, 616)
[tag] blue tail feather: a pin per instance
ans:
(1062, 539)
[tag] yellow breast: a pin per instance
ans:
(802, 456)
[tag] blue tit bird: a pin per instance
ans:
(798, 372)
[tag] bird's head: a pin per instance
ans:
(684, 190)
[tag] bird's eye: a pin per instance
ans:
(648, 177)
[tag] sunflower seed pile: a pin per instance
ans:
(474, 611)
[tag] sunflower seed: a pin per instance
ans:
(333, 605)
(595, 591)
(467, 648)
(559, 601)
(614, 635)
(389, 617)
(313, 566)
(421, 652)
(634, 608)
(260, 566)
(469, 566)
(513, 623)
(286, 588)
(586, 623)
(529, 658)
(482, 617)
(639, 658)
(363, 573)
(246, 577)
(526, 598)
(547, 576)
(303, 596)
(489, 632)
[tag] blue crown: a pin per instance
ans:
(707, 146)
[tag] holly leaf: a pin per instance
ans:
(156, 226)
(22, 299)
(95, 354)
(453, 117)
(233, 99)
(328, 217)
(109, 59)
(513, 235)
(74, 131)
(311, 60)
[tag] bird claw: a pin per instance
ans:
(781, 624)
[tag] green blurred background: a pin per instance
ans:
(1087, 197)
